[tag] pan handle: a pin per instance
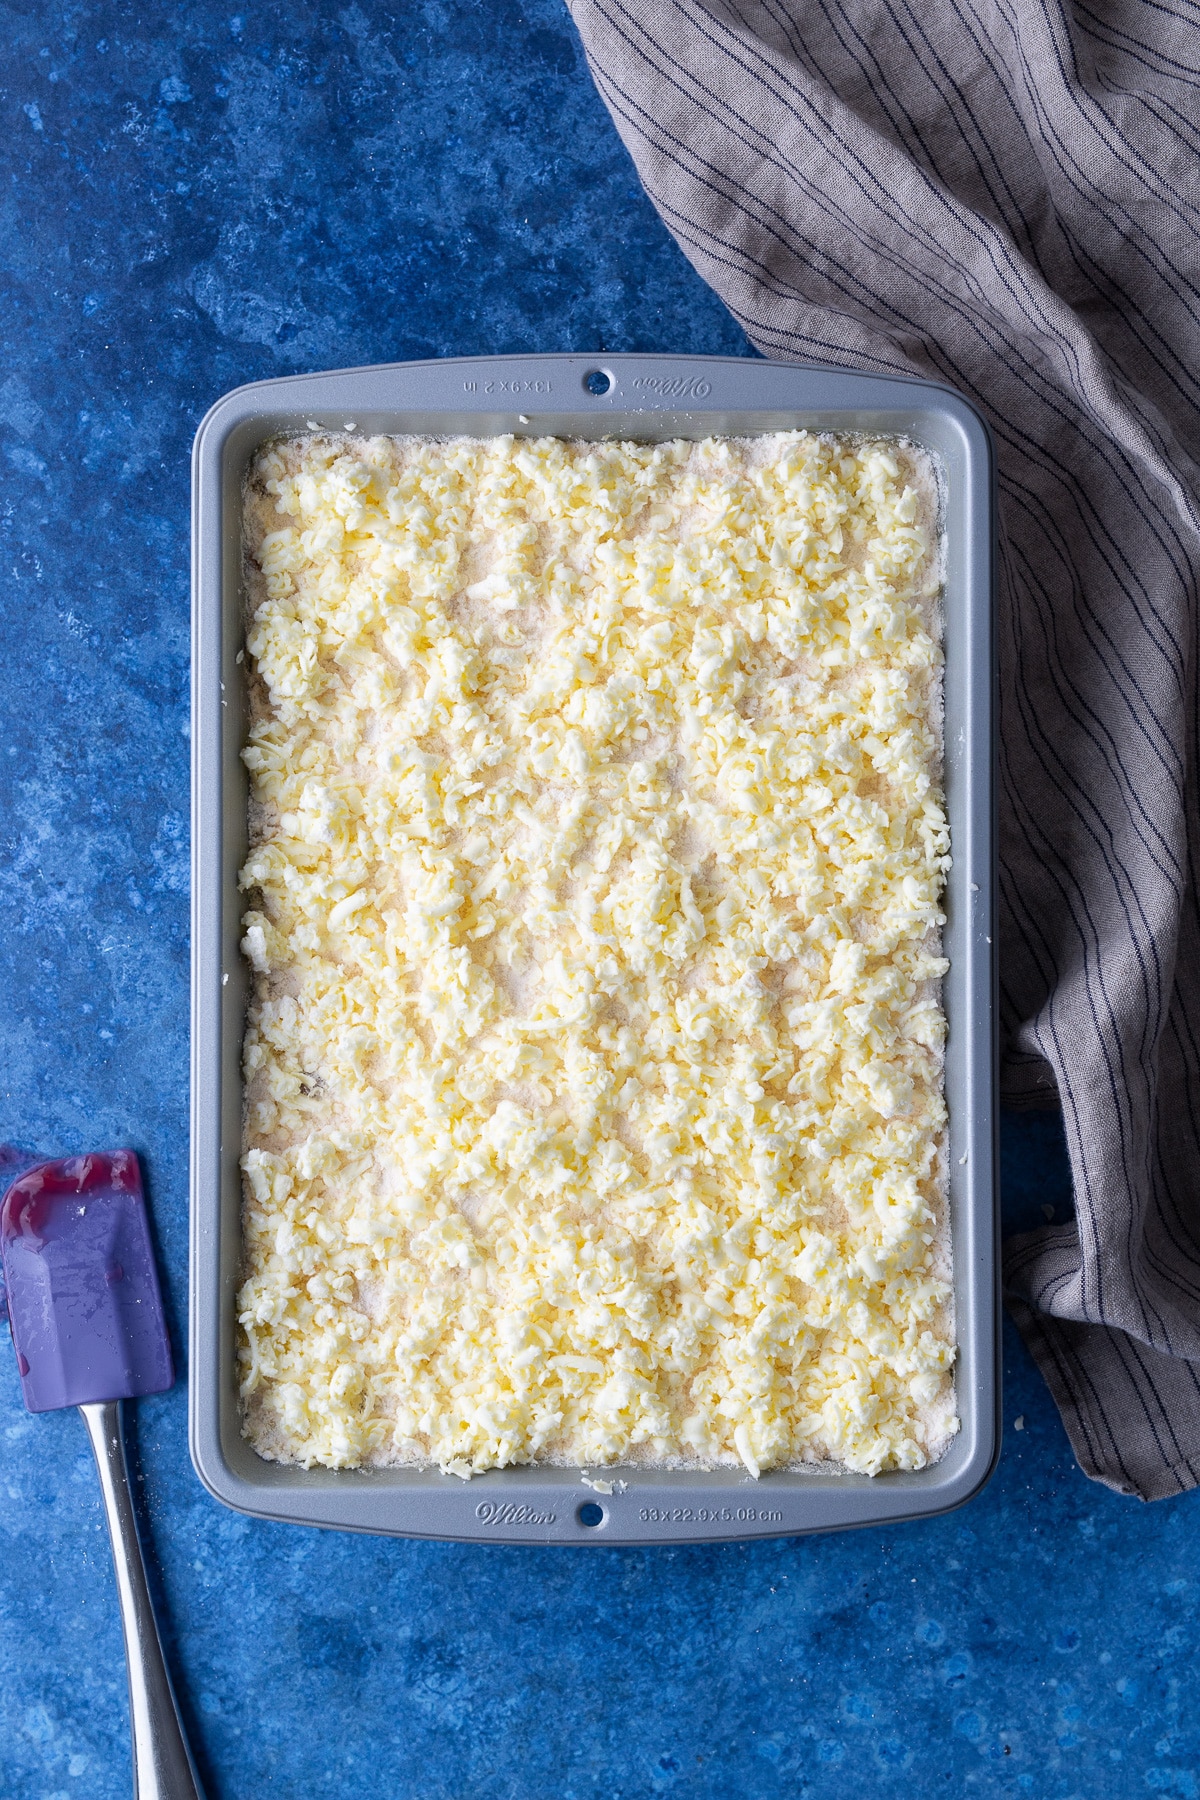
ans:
(162, 1762)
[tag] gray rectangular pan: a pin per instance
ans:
(646, 397)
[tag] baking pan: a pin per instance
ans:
(646, 397)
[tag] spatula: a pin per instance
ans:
(87, 1324)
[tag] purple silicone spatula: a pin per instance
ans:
(87, 1323)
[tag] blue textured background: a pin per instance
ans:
(192, 199)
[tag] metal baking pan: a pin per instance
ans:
(646, 397)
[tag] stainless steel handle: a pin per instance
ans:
(162, 1763)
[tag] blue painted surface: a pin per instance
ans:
(192, 199)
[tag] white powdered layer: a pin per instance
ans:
(594, 1065)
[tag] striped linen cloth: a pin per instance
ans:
(1002, 194)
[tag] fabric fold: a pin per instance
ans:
(1005, 198)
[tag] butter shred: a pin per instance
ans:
(594, 1056)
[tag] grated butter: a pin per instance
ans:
(594, 1058)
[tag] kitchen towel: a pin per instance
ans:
(1004, 196)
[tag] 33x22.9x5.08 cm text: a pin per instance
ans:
(705, 1515)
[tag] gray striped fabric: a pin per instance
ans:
(1002, 194)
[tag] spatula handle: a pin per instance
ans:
(162, 1763)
